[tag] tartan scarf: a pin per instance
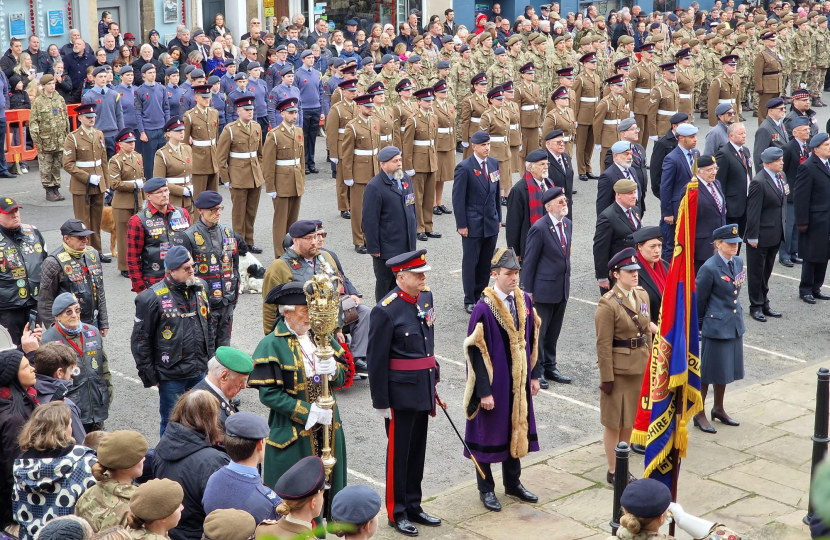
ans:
(534, 198)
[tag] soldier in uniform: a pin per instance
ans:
(483, 53)
(74, 267)
(152, 110)
(501, 71)
(442, 72)
(416, 72)
(359, 151)
(174, 161)
(172, 340)
(402, 111)
(472, 108)
(643, 77)
(515, 136)
(49, 126)
(201, 130)
(586, 95)
(821, 60)
(240, 146)
(663, 101)
(402, 378)
(685, 79)
(389, 76)
(302, 489)
(802, 55)
(84, 155)
(610, 111)
(341, 113)
(22, 251)
(382, 114)
(151, 233)
(420, 160)
(562, 117)
(227, 375)
(286, 89)
(461, 71)
(496, 122)
(767, 74)
(528, 98)
(744, 71)
(126, 179)
(725, 89)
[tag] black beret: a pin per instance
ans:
(554, 134)
(303, 479)
(552, 193)
(301, 228)
(480, 137)
(208, 199)
(537, 155)
(705, 160)
(646, 498)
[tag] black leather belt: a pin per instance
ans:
(771, 73)
(631, 343)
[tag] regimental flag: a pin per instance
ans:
(673, 375)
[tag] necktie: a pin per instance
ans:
(561, 229)
(731, 267)
(511, 305)
(636, 154)
(542, 186)
(631, 218)
(827, 165)
(780, 181)
(741, 155)
(400, 187)
(715, 196)
(561, 163)
(484, 167)
(691, 160)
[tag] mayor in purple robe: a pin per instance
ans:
(502, 378)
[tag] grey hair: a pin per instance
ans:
(732, 128)
(282, 309)
(215, 369)
(251, 49)
(145, 47)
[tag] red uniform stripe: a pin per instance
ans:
(390, 470)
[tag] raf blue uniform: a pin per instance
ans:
(311, 101)
(152, 111)
(109, 118)
(188, 100)
(127, 102)
(175, 95)
(273, 77)
(227, 84)
(259, 89)
(279, 93)
(218, 101)
(328, 91)
(230, 108)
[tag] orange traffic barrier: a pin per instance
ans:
(72, 111)
(17, 119)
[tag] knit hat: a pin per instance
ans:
(227, 524)
(62, 529)
(122, 449)
(156, 499)
(9, 365)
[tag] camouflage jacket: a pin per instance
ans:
(801, 54)
(49, 123)
(106, 504)
(821, 48)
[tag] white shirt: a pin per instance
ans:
(307, 351)
(556, 223)
(710, 187)
(216, 389)
(740, 151)
(502, 295)
(629, 212)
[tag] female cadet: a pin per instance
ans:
(174, 161)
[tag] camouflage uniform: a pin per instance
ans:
(106, 504)
(49, 127)
(427, 66)
(459, 82)
(821, 59)
(483, 59)
(365, 80)
(419, 80)
(801, 54)
(498, 74)
(389, 81)
(745, 65)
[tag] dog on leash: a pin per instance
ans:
(251, 271)
(108, 225)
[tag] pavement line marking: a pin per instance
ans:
(775, 353)
(583, 301)
(568, 399)
(131, 379)
(785, 277)
(569, 429)
(365, 478)
(455, 271)
(450, 360)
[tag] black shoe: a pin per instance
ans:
(425, 519)
(704, 116)
(313, 169)
(345, 214)
(555, 376)
(405, 527)
(459, 148)
(433, 234)
(307, 170)
(724, 419)
(573, 192)
(437, 210)
(469, 307)
(504, 201)
(592, 176)
(523, 494)
(797, 260)
(333, 174)
(361, 249)
(255, 249)
(709, 429)
(754, 115)
(423, 237)
(742, 118)
(769, 312)
(125, 274)
(638, 449)
(360, 366)
(583, 177)
(821, 296)
(105, 258)
(445, 210)
(758, 316)
(543, 383)
(808, 298)
(788, 263)
(491, 502)
(7, 174)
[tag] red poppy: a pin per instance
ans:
(99, 101)
(376, 128)
(478, 173)
(139, 162)
(300, 138)
(188, 160)
(147, 96)
(452, 110)
(305, 80)
(406, 185)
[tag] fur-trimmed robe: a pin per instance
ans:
(510, 426)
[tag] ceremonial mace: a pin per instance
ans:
(323, 297)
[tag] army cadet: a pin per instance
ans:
(501, 71)
(472, 107)
(84, 155)
(528, 98)
(382, 114)
(802, 54)
(441, 73)
(544, 78)
(359, 150)
(227, 375)
(74, 267)
(151, 233)
(663, 101)
(515, 136)
(174, 161)
(406, 411)
(700, 74)
(240, 146)
(643, 77)
(389, 76)
(23, 250)
(561, 117)
(259, 90)
(586, 95)
(744, 72)
(402, 111)
(821, 60)
(301, 485)
(725, 88)
(783, 48)
(126, 179)
(483, 53)
(495, 120)
(201, 130)
(610, 111)
(341, 114)
(415, 72)
(514, 53)
(283, 156)
(49, 126)
(461, 71)
(172, 340)
(348, 73)
(685, 80)
(110, 117)
(215, 261)
(767, 74)
(367, 75)
(238, 91)
(217, 103)
(445, 113)
(420, 160)
(152, 110)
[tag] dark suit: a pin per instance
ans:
(475, 199)
(638, 168)
(709, 218)
(612, 235)
(605, 187)
(563, 179)
(388, 225)
(765, 225)
(226, 408)
(734, 174)
(768, 134)
(795, 113)
(677, 172)
(547, 276)
(812, 205)
(662, 148)
(518, 209)
(794, 156)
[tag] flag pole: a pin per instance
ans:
(675, 453)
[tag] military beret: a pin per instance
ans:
(624, 185)
(645, 234)
(100, 69)
(554, 134)
(771, 154)
(287, 294)
(539, 40)
(812, 14)
(694, 42)
(672, 17)
(442, 64)
(122, 449)
(123, 71)
(471, 37)
(251, 65)
(414, 58)
(171, 71)
(335, 62)
(303, 479)
(706, 160)
(799, 121)
(822, 19)
(176, 257)
(417, 39)
(657, 36)
(586, 40)
(301, 228)
(728, 32)
(774, 103)
(499, 50)
(552, 193)
(305, 53)
(655, 26)
(515, 38)
(356, 504)
(620, 146)
(188, 69)
(722, 108)
(213, 79)
(198, 33)
(240, 76)
(46, 79)
(63, 529)
(63, 301)
(504, 258)
(446, 39)
(154, 183)
(720, 26)
(533, 35)
(464, 48)
(818, 139)
(687, 20)
(287, 70)
(229, 524)
(626, 124)
(686, 130)
(480, 137)
(742, 38)
(728, 233)
(280, 48)
(368, 61)
(627, 260)
(387, 58)
(802, 20)
(625, 40)
(125, 135)
(387, 153)
(156, 499)
(700, 32)
(246, 425)
(536, 156)
(207, 199)
(715, 40)
(749, 25)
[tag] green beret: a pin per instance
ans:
(235, 360)
(228, 524)
(156, 499)
(539, 40)
(122, 450)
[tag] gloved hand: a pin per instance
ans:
(326, 367)
(384, 413)
(653, 138)
(272, 194)
(696, 527)
(334, 160)
(94, 179)
(317, 415)
(576, 124)
(597, 147)
(465, 144)
(349, 182)
(139, 183)
(520, 147)
(410, 172)
(631, 114)
(186, 191)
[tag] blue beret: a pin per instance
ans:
(686, 130)
(771, 154)
(442, 64)
(246, 425)
(620, 146)
(147, 67)
(351, 22)
(125, 69)
(480, 137)
(303, 479)
(208, 199)
(301, 228)
(446, 39)
(799, 121)
(198, 73)
(176, 256)
(775, 103)
(463, 48)
(280, 47)
(336, 62)
(63, 301)
(414, 58)
(386, 58)
(188, 69)
(307, 52)
(213, 80)
(499, 50)
(537, 155)
(170, 71)
(722, 108)
(818, 139)
(251, 65)
(154, 183)
(99, 70)
(388, 153)
(240, 76)
(198, 33)
(552, 193)
(355, 504)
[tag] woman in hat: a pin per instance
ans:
(120, 461)
(302, 490)
(229, 524)
(356, 510)
(648, 241)
(155, 508)
(67, 528)
(719, 309)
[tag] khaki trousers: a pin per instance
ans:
(642, 123)
(342, 191)
(245, 202)
(120, 218)
(584, 148)
(356, 199)
(530, 141)
(762, 106)
(424, 186)
(205, 182)
(286, 212)
(506, 176)
(90, 214)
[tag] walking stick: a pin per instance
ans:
(443, 407)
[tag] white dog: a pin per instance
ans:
(251, 271)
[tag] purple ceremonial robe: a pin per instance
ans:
(509, 429)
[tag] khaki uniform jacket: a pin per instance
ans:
(767, 72)
(359, 152)
(382, 115)
(123, 170)
(610, 111)
(686, 89)
(400, 114)
(239, 152)
(281, 530)
(724, 89)
(496, 122)
(662, 105)
(445, 138)
(515, 138)
(283, 161)
(339, 115)
(85, 155)
(613, 322)
(642, 81)
(204, 132)
(528, 99)
(177, 167)
(419, 135)
(563, 119)
(586, 91)
(472, 108)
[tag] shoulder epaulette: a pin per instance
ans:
(609, 294)
(426, 288)
(388, 299)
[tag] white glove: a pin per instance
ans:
(597, 147)
(94, 179)
(334, 160)
(465, 144)
(139, 184)
(186, 192)
(272, 194)
(348, 182)
(326, 367)
(576, 124)
(653, 138)
(696, 527)
(520, 147)
(317, 415)
(631, 114)
(410, 172)
(384, 413)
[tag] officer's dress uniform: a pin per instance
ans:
(239, 151)
(283, 162)
(663, 102)
(472, 107)
(127, 200)
(419, 155)
(528, 98)
(445, 113)
(359, 164)
(80, 275)
(586, 91)
(22, 253)
(339, 115)
(201, 128)
(724, 89)
(150, 234)
(767, 77)
(642, 77)
(565, 120)
(175, 163)
(610, 111)
(84, 155)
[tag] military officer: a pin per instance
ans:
(402, 111)
(586, 92)
(420, 160)
(22, 251)
(126, 179)
(446, 114)
(172, 340)
(561, 116)
(472, 108)
(382, 114)
(341, 114)
(643, 77)
(610, 111)
(227, 375)
(405, 406)
(174, 161)
(685, 80)
(49, 125)
(84, 154)
(528, 98)
(215, 254)
(496, 122)
(74, 267)
(240, 147)
(150, 234)
(725, 88)
(360, 164)
(767, 74)
(201, 129)
(663, 101)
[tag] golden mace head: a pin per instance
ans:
(323, 297)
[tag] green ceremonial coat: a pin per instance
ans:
(279, 374)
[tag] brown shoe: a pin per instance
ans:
(816, 102)
(58, 195)
(50, 194)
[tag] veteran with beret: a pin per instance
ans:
(227, 375)
(156, 504)
(772, 131)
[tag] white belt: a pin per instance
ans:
(179, 180)
(204, 143)
(685, 96)
(477, 120)
(530, 107)
(611, 122)
(666, 113)
(726, 101)
(445, 130)
(385, 137)
(341, 130)
(588, 99)
(363, 152)
(498, 139)
(242, 155)
(95, 163)
(430, 142)
(643, 90)
(514, 126)
(288, 162)
(566, 139)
